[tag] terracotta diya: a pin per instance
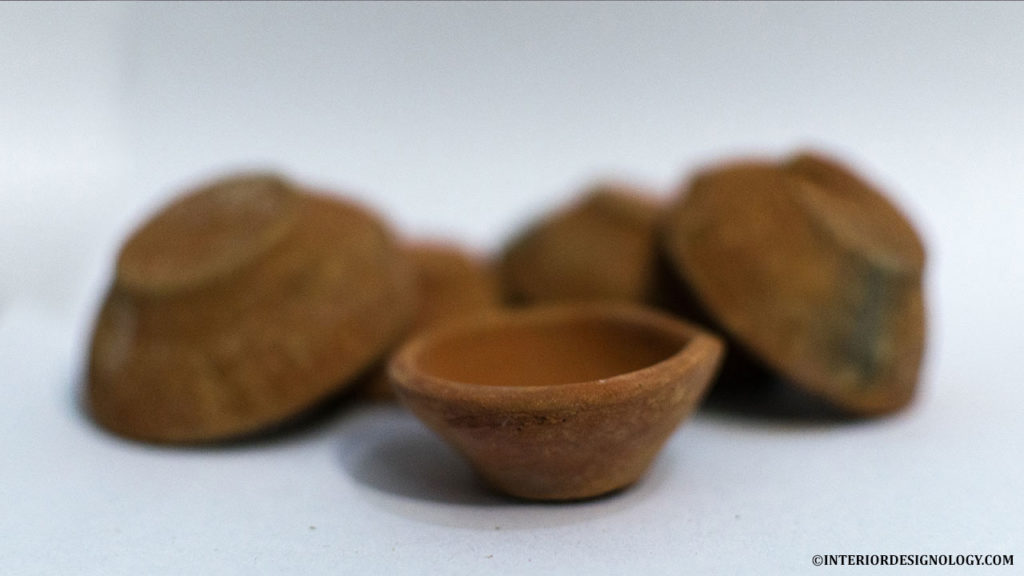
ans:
(450, 283)
(239, 306)
(811, 270)
(557, 403)
(600, 247)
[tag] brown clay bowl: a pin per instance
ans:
(601, 247)
(450, 282)
(812, 270)
(240, 306)
(557, 403)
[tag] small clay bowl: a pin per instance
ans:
(450, 283)
(601, 247)
(812, 270)
(240, 306)
(557, 403)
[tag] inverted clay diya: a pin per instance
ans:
(239, 306)
(601, 247)
(557, 403)
(812, 270)
(450, 283)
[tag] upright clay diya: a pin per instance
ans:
(810, 269)
(239, 306)
(601, 247)
(558, 402)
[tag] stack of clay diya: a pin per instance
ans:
(560, 368)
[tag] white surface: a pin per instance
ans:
(466, 120)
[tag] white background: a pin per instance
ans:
(466, 121)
